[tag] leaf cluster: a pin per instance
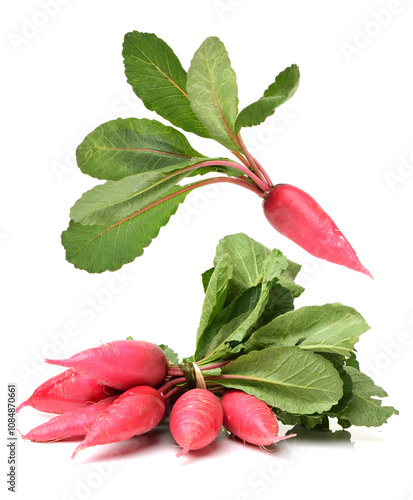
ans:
(144, 161)
(299, 361)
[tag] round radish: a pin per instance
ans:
(249, 418)
(196, 420)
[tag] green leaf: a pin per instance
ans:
(158, 78)
(110, 202)
(308, 421)
(124, 147)
(227, 321)
(347, 388)
(277, 93)
(169, 353)
(232, 344)
(288, 277)
(206, 276)
(107, 247)
(288, 378)
(280, 301)
(248, 257)
(364, 408)
(330, 328)
(352, 361)
(213, 92)
(216, 293)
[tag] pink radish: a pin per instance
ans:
(74, 423)
(121, 364)
(66, 392)
(296, 215)
(196, 420)
(136, 411)
(249, 418)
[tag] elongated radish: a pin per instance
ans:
(196, 420)
(249, 418)
(136, 411)
(120, 364)
(296, 215)
(70, 424)
(66, 392)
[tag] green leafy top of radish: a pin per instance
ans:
(250, 337)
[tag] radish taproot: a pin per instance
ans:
(249, 418)
(121, 364)
(70, 424)
(196, 420)
(296, 215)
(66, 392)
(135, 412)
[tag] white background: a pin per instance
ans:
(345, 137)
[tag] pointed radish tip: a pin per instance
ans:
(367, 272)
(80, 447)
(58, 362)
(22, 405)
(23, 436)
(184, 451)
(283, 438)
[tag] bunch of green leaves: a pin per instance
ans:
(143, 161)
(299, 361)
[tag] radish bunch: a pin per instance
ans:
(255, 357)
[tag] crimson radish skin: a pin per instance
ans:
(66, 392)
(196, 420)
(121, 364)
(249, 418)
(135, 412)
(296, 215)
(70, 424)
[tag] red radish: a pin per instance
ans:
(135, 412)
(121, 364)
(196, 420)
(73, 423)
(66, 392)
(296, 215)
(249, 418)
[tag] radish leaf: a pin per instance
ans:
(330, 328)
(277, 93)
(216, 293)
(123, 147)
(98, 248)
(288, 378)
(248, 257)
(364, 409)
(158, 78)
(213, 92)
(114, 200)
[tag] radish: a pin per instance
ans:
(66, 392)
(136, 411)
(296, 215)
(120, 364)
(249, 418)
(196, 420)
(74, 423)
